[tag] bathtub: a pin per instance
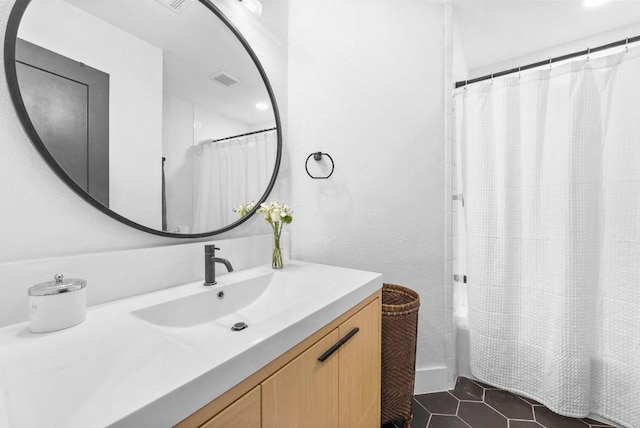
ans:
(461, 328)
(463, 348)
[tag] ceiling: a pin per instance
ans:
(491, 33)
(195, 45)
(495, 31)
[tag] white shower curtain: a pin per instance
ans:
(551, 181)
(229, 173)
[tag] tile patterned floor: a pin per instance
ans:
(473, 404)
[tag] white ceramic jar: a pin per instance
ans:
(58, 304)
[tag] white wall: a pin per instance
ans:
(177, 140)
(523, 57)
(135, 99)
(499, 31)
(212, 125)
(42, 218)
(460, 68)
(366, 86)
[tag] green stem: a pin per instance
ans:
(276, 260)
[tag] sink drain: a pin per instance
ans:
(239, 326)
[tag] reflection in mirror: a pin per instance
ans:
(161, 115)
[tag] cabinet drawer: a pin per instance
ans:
(243, 413)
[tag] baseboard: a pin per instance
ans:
(430, 379)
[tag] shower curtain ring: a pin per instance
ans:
(588, 54)
(492, 78)
(550, 60)
(626, 45)
(519, 75)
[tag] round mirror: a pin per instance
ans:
(157, 112)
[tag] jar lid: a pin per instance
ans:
(59, 285)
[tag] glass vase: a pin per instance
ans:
(276, 259)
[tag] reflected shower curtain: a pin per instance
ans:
(551, 179)
(228, 173)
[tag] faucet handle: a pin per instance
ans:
(210, 248)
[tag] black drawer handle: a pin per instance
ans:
(322, 358)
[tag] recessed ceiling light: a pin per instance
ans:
(593, 3)
(262, 105)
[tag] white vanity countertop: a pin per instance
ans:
(117, 370)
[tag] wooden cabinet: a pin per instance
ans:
(298, 390)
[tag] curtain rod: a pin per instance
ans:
(550, 61)
(241, 135)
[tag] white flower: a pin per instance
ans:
(243, 209)
(276, 213)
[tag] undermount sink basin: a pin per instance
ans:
(208, 306)
(259, 301)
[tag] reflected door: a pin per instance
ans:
(68, 103)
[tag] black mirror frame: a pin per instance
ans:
(10, 40)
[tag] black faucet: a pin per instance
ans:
(210, 261)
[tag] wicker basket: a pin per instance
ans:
(399, 330)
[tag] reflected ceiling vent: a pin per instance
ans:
(224, 79)
(178, 6)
